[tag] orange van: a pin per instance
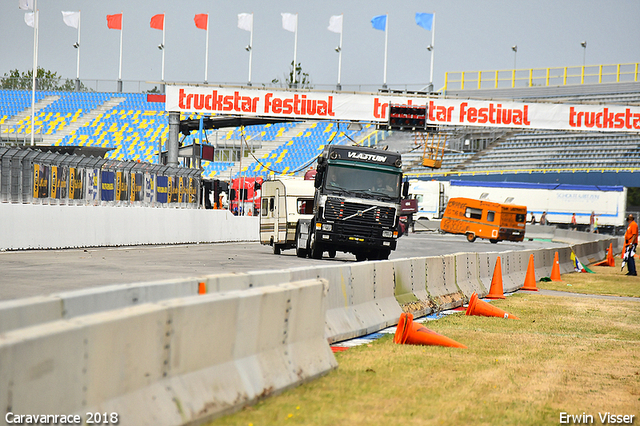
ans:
(484, 219)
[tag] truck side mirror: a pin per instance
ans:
(405, 189)
(317, 180)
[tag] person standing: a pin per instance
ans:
(630, 244)
(543, 218)
(533, 218)
(573, 222)
(592, 222)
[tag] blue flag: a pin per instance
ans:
(425, 20)
(379, 22)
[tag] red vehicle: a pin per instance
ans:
(247, 201)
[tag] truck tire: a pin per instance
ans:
(384, 254)
(493, 241)
(276, 248)
(332, 253)
(470, 237)
(315, 251)
(361, 256)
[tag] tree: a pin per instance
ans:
(302, 78)
(45, 80)
(633, 197)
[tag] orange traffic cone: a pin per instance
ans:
(609, 261)
(202, 288)
(496, 291)
(479, 307)
(612, 261)
(555, 271)
(530, 278)
(413, 333)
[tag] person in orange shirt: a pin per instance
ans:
(630, 244)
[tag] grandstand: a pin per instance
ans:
(503, 154)
(135, 130)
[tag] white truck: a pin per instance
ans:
(559, 201)
(284, 201)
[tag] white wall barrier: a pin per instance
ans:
(468, 274)
(441, 282)
(170, 363)
(31, 226)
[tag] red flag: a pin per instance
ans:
(201, 20)
(157, 21)
(114, 21)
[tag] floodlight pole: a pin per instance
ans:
(35, 70)
(338, 86)
(386, 40)
(433, 41)
(250, 49)
(78, 56)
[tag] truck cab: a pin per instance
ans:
(356, 204)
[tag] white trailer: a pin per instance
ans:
(431, 197)
(284, 202)
(559, 201)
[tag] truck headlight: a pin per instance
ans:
(387, 234)
(327, 227)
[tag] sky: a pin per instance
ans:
(470, 35)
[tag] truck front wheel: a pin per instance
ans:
(314, 248)
(470, 237)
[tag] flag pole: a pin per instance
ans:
(164, 25)
(120, 66)
(386, 39)
(206, 54)
(250, 48)
(78, 53)
(295, 54)
(35, 70)
(433, 40)
(339, 87)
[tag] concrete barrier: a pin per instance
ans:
(411, 287)
(539, 232)
(486, 267)
(47, 227)
(170, 363)
(468, 275)
(514, 269)
(441, 282)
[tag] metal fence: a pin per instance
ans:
(557, 76)
(31, 176)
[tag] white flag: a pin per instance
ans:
(245, 21)
(335, 24)
(28, 19)
(72, 19)
(289, 21)
(25, 4)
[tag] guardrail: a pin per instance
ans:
(555, 76)
(156, 353)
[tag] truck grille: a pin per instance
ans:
(357, 214)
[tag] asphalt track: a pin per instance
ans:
(40, 272)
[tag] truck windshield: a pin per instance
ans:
(362, 182)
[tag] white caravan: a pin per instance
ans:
(284, 201)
